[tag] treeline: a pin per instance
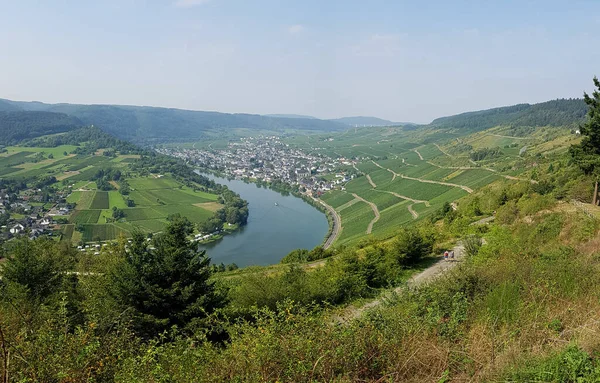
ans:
(18, 126)
(551, 113)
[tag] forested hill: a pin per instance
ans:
(21, 125)
(140, 123)
(551, 113)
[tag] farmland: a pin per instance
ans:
(146, 204)
(155, 199)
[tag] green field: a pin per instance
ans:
(355, 220)
(85, 216)
(150, 183)
(115, 199)
(100, 200)
(85, 199)
(102, 232)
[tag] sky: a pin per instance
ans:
(398, 60)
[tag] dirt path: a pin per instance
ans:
(337, 224)
(420, 156)
(427, 275)
(443, 151)
(370, 181)
(412, 212)
(375, 210)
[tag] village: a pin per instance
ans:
(267, 159)
(32, 212)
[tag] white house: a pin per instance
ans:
(17, 229)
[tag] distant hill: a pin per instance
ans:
(290, 116)
(8, 107)
(551, 113)
(364, 121)
(148, 124)
(22, 125)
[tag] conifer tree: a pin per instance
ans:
(587, 154)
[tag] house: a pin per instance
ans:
(16, 229)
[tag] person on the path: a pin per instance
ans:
(446, 255)
(451, 255)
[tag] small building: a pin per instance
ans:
(16, 229)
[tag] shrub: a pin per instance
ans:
(472, 243)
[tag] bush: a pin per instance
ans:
(472, 244)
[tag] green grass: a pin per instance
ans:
(151, 183)
(85, 216)
(416, 189)
(100, 200)
(355, 220)
(103, 232)
(57, 152)
(143, 213)
(85, 199)
(74, 197)
(15, 159)
(176, 197)
(143, 198)
(475, 178)
(393, 218)
(336, 198)
(115, 199)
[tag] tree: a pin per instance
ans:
(587, 154)
(38, 266)
(165, 286)
(410, 246)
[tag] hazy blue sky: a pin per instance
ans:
(400, 60)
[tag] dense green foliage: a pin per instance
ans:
(18, 126)
(551, 113)
(166, 284)
(587, 154)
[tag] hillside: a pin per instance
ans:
(550, 113)
(19, 125)
(150, 124)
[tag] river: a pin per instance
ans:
(277, 224)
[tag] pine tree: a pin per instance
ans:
(587, 154)
(165, 284)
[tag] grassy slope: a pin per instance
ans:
(396, 149)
